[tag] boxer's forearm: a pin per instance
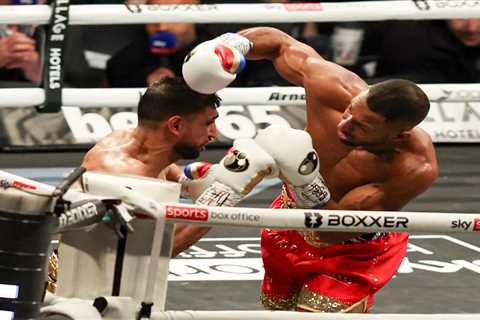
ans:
(267, 42)
(288, 55)
(186, 236)
(334, 237)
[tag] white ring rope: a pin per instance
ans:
(289, 315)
(248, 13)
(129, 97)
(322, 220)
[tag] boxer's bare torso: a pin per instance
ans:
(124, 152)
(363, 169)
(362, 177)
(367, 175)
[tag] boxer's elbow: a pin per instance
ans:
(186, 236)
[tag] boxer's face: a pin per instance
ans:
(199, 129)
(466, 30)
(360, 126)
(184, 32)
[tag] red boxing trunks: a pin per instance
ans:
(305, 274)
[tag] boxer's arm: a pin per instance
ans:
(173, 173)
(392, 195)
(289, 56)
(186, 235)
(224, 184)
(329, 83)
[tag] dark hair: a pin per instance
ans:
(398, 100)
(172, 96)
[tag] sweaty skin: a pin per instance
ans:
(380, 171)
(148, 150)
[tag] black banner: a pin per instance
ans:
(54, 56)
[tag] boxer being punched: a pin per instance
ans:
(176, 123)
(372, 155)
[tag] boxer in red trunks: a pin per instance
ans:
(372, 156)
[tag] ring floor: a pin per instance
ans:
(441, 273)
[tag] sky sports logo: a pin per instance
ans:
(465, 225)
(186, 213)
(476, 224)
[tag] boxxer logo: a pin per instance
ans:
(313, 219)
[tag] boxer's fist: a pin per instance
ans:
(238, 173)
(293, 151)
(298, 163)
(196, 178)
(213, 65)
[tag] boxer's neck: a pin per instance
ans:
(154, 148)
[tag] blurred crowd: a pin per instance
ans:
(428, 51)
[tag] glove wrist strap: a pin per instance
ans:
(312, 195)
(236, 41)
(219, 195)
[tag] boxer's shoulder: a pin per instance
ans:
(116, 138)
(330, 86)
(417, 158)
(115, 155)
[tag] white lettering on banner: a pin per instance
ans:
(90, 127)
(233, 125)
(453, 122)
(199, 264)
(446, 121)
(123, 120)
(54, 68)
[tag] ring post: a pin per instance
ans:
(24, 247)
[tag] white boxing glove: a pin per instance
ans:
(297, 162)
(214, 64)
(238, 173)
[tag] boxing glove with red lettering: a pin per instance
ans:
(298, 163)
(214, 64)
